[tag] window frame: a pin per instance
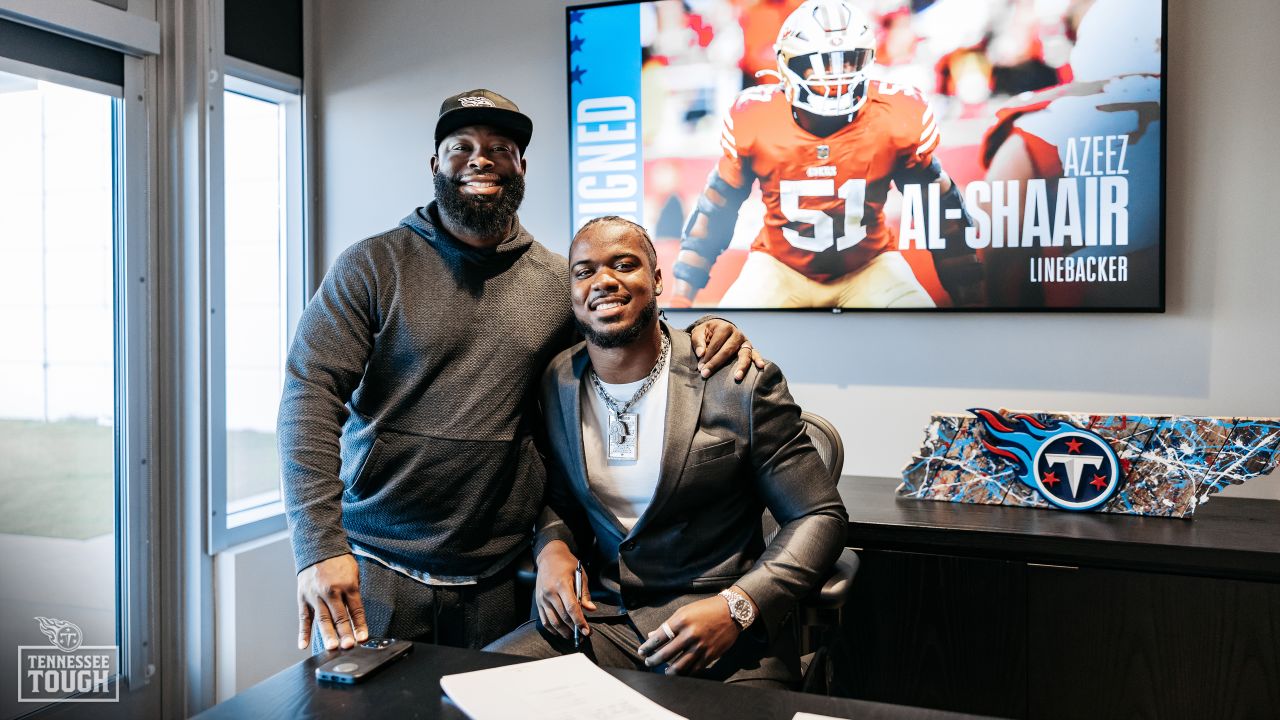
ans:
(134, 396)
(228, 527)
(135, 384)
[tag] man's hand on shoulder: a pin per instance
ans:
(717, 341)
(329, 594)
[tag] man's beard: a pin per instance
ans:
(486, 218)
(619, 336)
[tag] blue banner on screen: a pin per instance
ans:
(604, 98)
(879, 154)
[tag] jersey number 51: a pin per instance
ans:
(852, 192)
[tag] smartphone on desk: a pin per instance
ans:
(354, 665)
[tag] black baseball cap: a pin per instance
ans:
(483, 107)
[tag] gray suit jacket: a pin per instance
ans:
(731, 450)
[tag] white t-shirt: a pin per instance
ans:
(625, 486)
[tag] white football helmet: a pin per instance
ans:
(1117, 37)
(825, 48)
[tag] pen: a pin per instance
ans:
(577, 595)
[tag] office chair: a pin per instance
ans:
(820, 614)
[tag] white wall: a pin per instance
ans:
(255, 614)
(382, 74)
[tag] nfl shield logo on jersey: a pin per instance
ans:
(1070, 467)
(824, 152)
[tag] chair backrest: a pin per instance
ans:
(827, 440)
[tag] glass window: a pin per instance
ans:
(256, 305)
(256, 261)
(58, 423)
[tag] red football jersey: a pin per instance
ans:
(824, 196)
(1044, 157)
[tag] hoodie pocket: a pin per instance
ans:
(367, 467)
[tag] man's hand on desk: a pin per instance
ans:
(703, 631)
(329, 594)
(558, 608)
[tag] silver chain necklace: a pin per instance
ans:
(624, 427)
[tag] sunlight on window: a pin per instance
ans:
(57, 364)
(56, 360)
(255, 306)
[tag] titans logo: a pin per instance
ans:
(1071, 468)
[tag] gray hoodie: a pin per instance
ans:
(404, 427)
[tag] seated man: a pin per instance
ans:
(657, 482)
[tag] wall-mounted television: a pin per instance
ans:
(878, 154)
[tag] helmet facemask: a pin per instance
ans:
(829, 84)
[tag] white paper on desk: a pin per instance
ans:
(567, 687)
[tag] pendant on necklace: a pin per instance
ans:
(623, 428)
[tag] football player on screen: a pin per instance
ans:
(824, 145)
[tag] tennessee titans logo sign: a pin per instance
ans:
(1072, 468)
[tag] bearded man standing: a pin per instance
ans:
(411, 483)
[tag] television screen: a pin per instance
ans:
(878, 154)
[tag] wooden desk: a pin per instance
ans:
(411, 689)
(1043, 614)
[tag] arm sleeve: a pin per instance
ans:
(793, 481)
(919, 150)
(708, 230)
(326, 361)
(562, 517)
(730, 167)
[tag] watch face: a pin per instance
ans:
(739, 608)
